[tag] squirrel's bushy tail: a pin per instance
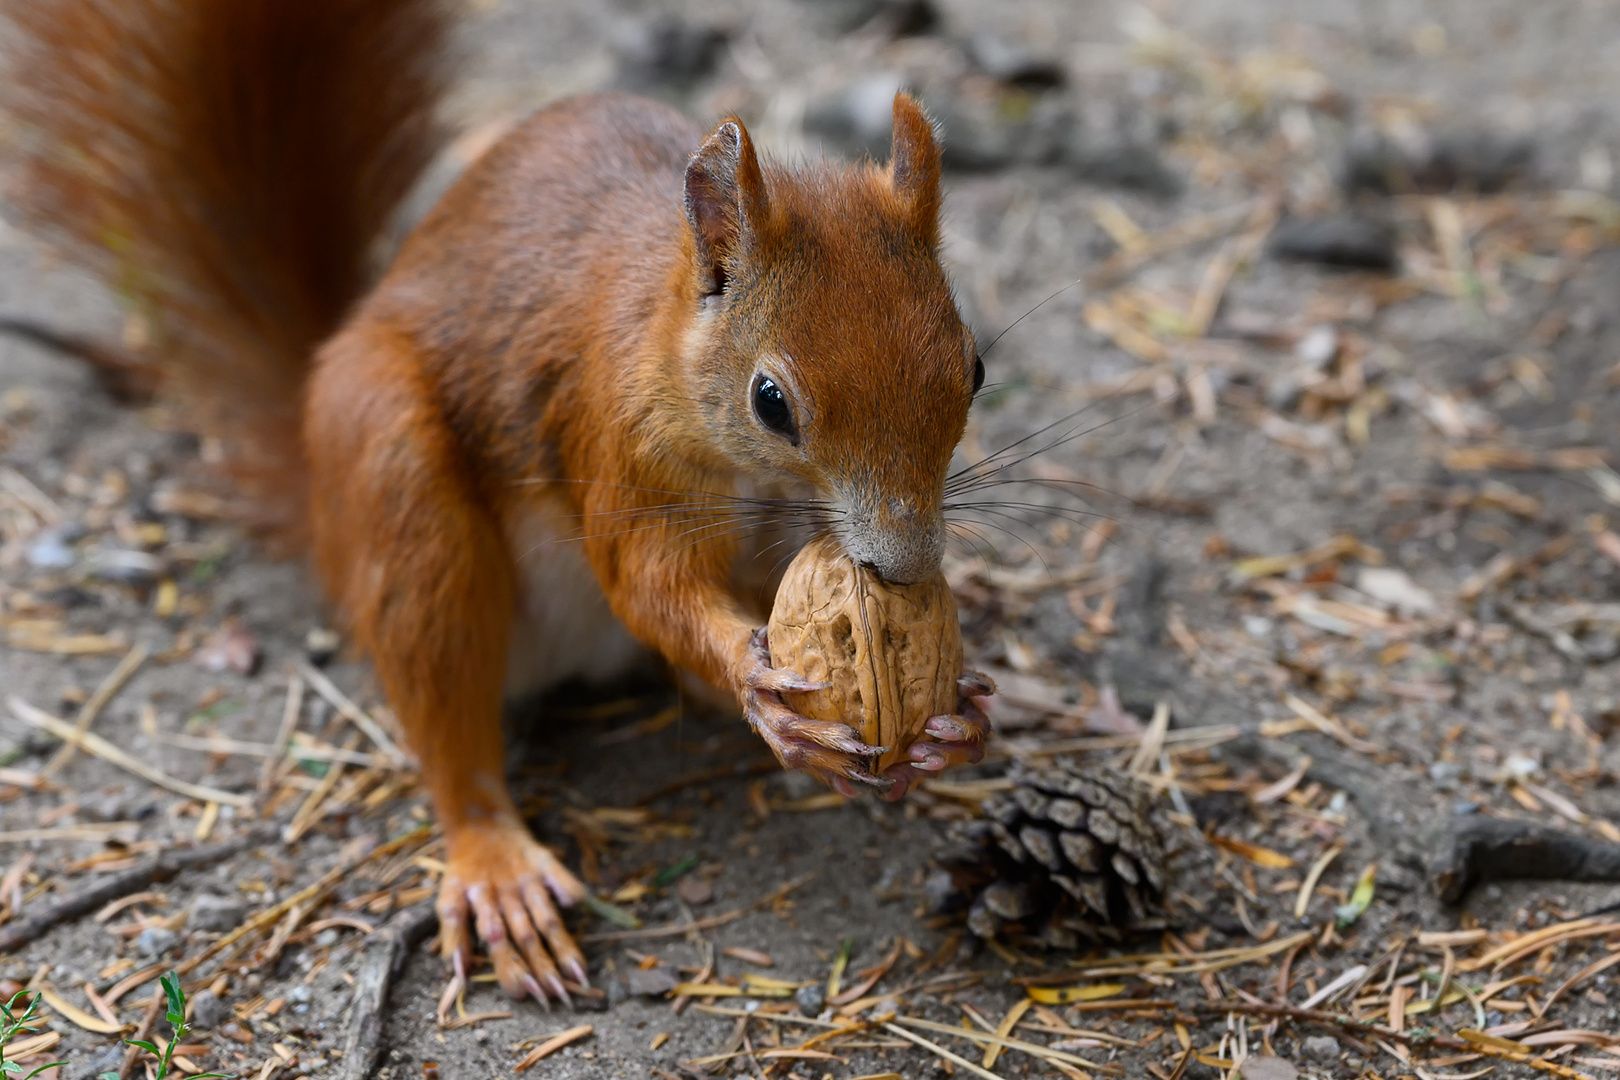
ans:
(227, 166)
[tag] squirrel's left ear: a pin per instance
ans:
(914, 163)
(725, 200)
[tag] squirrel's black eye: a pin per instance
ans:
(771, 406)
(978, 374)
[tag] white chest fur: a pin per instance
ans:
(564, 628)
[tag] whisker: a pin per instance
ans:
(1036, 508)
(1037, 433)
(975, 540)
(1027, 314)
(961, 481)
(1086, 521)
(1057, 483)
(1016, 536)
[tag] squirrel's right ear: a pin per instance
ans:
(725, 200)
(914, 163)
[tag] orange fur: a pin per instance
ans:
(572, 337)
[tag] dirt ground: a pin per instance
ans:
(1424, 442)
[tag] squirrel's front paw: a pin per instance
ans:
(829, 751)
(956, 739)
(503, 883)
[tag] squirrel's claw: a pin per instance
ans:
(834, 753)
(955, 739)
(761, 676)
(506, 886)
(822, 748)
(973, 684)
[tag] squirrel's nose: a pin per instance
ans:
(900, 541)
(899, 558)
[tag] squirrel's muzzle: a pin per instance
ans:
(900, 541)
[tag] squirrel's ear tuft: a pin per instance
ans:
(914, 162)
(725, 199)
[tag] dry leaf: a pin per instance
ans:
(77, 1016)
(1256, 854)
(1064, 995)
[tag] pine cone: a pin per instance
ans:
(1072, 850)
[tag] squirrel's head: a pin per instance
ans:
(826, 347)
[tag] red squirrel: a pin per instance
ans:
(518, 455)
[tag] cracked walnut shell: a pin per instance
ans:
(891, 652)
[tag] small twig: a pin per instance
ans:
(702, 924)
(290, 713)
(101, 748)
(938, 1050)
(309, 812)
(25, 491)
(154, 1009)
(382, 959)
(1421, 1037)
(1147, 752)
(86, 901)
(648, 932)
(91, 709)
(992, 1038)
(310, 896)
(293, 751)
(342, 703)
(103, 831)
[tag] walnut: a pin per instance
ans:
(891, 652)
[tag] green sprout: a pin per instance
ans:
(177, 1019)
(10, 1024)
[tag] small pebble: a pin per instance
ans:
(209, 1010)
(1267, 1068)
(1483, 161)
(1322, 1049)
(154, 941)
(617, 992)
(1446, 774)
(300, 995)
(102, 807)
(326, 938)
(126, 567)
(1600, 646)
(50, 551)
(811, 999)
(321, 645)
(1345, 239)
(1283, 392)
(1015, 64)
(650, 982)
(1317, 348)
(230, 648)
(695, 890)
(216, 913)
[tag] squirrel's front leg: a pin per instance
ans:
(832, 752)
(418, 563)
(676, 596)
